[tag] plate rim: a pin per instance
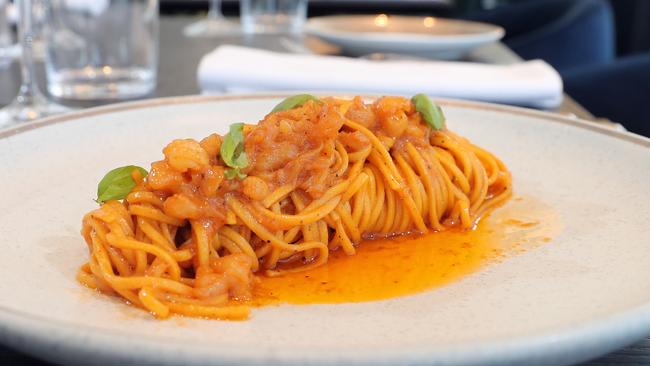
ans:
(572, 344)
(580, 342)
(197, 99)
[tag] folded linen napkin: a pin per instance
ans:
(241, 69)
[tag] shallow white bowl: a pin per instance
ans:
(424, 36)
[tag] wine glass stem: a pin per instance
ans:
(28, 87)
(214, 12)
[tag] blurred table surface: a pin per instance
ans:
(321, 7)
(179, 58)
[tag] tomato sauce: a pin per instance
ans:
(388, 268)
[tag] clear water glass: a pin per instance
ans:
(214, 25)
(101, 49)
(273, 16)
(5, 29)
(30, 103)
(7, 46)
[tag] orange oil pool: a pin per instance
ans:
(383, 269)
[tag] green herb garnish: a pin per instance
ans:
(232, 173)
(117, 183)
(430, 111)
(294, 102)
(232, 152)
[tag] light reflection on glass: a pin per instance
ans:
(381, 20)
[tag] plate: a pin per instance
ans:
(585, 293)
(440, 38)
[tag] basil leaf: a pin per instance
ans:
(430, 111)
(232, 150)
(294, 102)
(233, 173)
(117, 183)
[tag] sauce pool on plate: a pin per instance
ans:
(388, 268)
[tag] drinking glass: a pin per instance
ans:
(101, 49)
(6, 43)
(214, 25)
(30, 103)
(273, 16)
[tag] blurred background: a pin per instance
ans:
(631, 16)
(599, 48)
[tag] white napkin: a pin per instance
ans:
(241, 69)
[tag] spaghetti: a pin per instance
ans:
(323, 176)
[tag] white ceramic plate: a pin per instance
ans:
(425, 36)
(584, 294)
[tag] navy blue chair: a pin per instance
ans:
(565, 33)
(619, 91)
(577, 37)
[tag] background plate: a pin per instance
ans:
(425, 36)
